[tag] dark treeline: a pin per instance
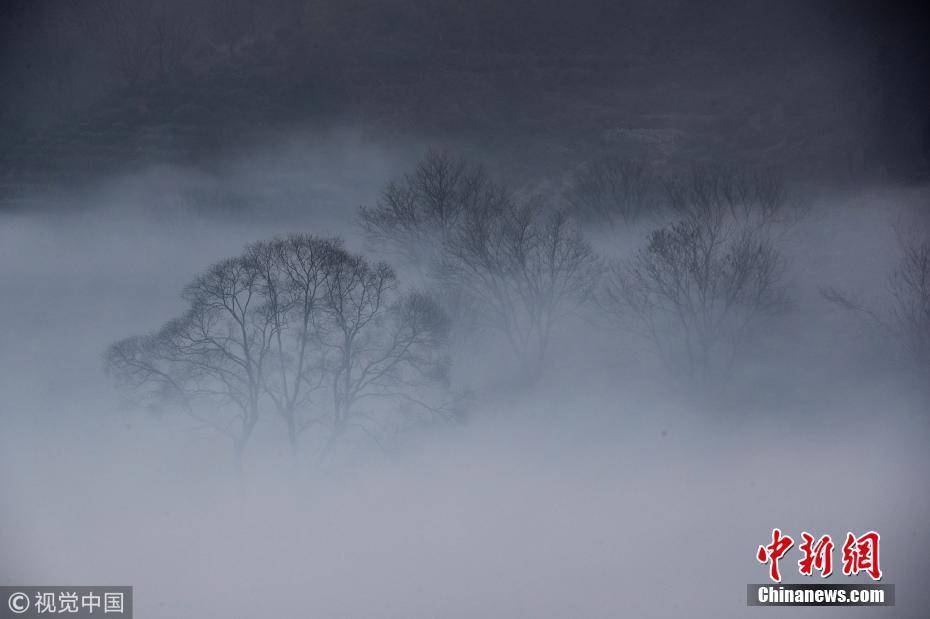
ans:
(830, 89)
(333, 344)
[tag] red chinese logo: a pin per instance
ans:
(860, 554)
(817, 555)
(773, 552)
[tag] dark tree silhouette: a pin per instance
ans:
(216, 351)
(907, 319)
(418, 213)
(292, 277)
(272, 330)
(379, 343)
(521, 270)
(704, 282)
(511, 266)
(715, 195)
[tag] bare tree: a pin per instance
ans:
(612, 189)
(143, 366)
(265, 331)
(216, 351)
(713, 195)
(380, 344)
(697, 295)
(418, 213)
(907, 320)
(521, 270)
(910, 289)
(704, 282)
(292, 276)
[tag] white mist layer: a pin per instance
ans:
(603, 492)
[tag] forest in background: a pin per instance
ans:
(827, 90)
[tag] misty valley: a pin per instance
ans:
(407, 309)
(297, 330)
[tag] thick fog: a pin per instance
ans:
(597, 475)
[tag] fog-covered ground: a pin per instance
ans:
(602, 490)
